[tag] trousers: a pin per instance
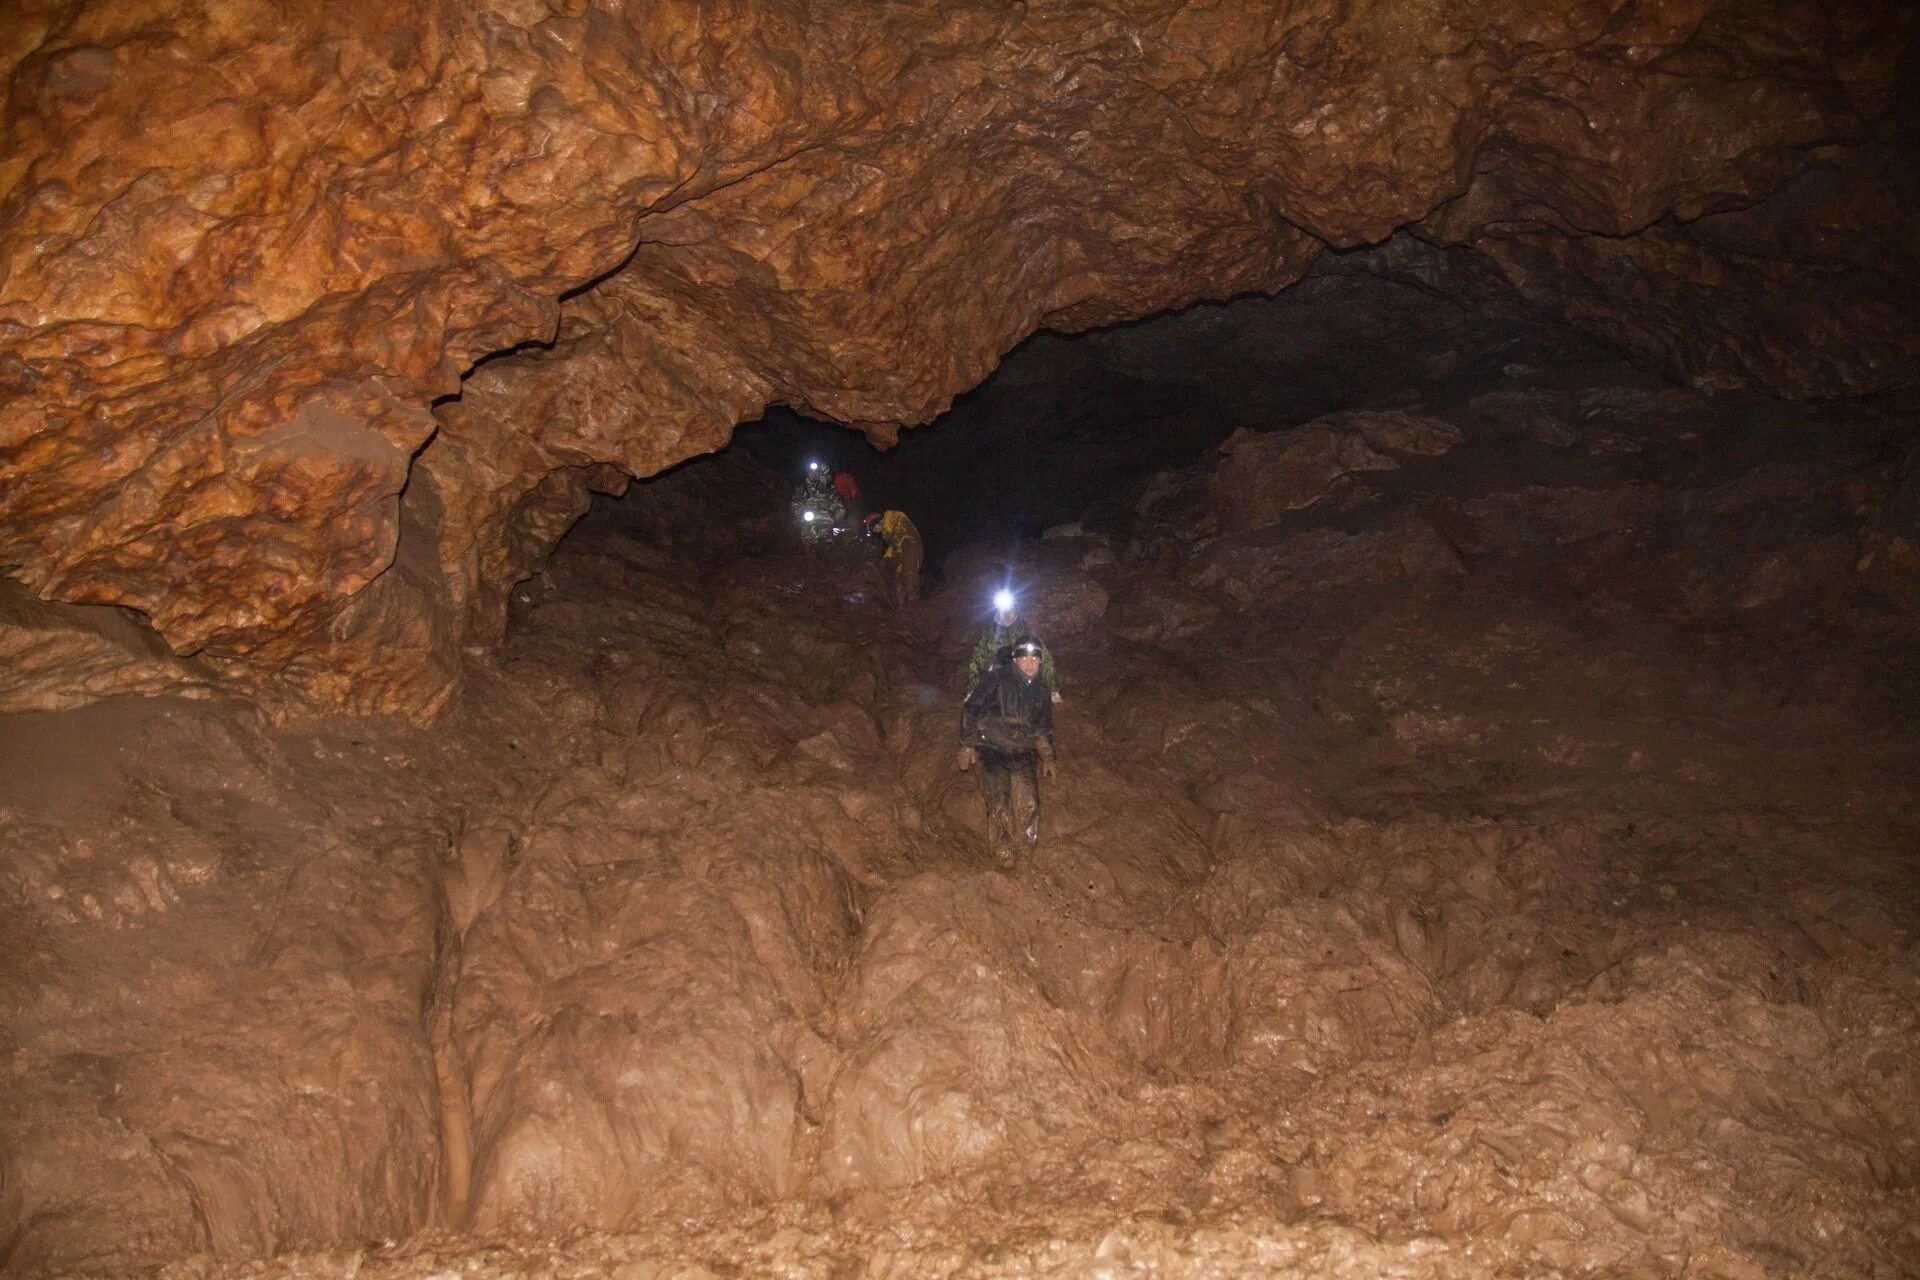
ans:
(1010, 784)
(903, 572)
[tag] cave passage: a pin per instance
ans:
(1484, 843)
(1070, 429)
(1462, 461)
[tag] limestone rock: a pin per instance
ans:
(682, 966)
(960, 1062)
(1161, 611)
(1404, 432)
(1254, 570)
(1071, 605)
(195, 1072)
(1264, 475)
(54, 657)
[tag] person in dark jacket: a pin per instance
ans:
(1008, 629)
(1006, 729)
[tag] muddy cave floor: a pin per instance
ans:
(1503, 864)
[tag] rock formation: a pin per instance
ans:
(253, 262)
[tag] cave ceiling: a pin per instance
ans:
(254, 260)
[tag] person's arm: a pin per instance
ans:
(971, 711)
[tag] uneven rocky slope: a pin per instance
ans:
(245, 251)
(1484, 847)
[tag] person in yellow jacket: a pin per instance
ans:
(903, 556)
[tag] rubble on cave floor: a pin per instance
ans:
(1496, 858)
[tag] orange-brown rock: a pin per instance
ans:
(55, 656)
(244, 251)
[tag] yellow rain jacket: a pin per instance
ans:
(897, 529)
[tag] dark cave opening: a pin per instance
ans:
(1070, 429)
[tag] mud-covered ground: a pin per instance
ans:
(1485, 845)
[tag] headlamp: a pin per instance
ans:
(1003, 601)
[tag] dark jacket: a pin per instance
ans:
(1008, 712)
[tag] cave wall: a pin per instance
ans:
(244, 252)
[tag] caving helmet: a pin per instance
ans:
(1027, 649)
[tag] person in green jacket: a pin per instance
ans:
(1008, 629)
(817, 508)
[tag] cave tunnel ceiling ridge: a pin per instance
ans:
(249, 255)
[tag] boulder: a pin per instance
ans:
(1155, 610)
(1253, 571)
(1066, 605)
(1264, 476)
(1400, 432)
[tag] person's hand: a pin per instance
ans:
(968, 757)
(1056, 695)
(1046, 767)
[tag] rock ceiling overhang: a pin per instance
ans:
(249, 252)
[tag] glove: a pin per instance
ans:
(968, 757)
(1044, 749)
(1046, 767)
(1056, 697)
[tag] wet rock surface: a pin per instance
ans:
(236, 301)
(54, 657)
(1503, 864)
